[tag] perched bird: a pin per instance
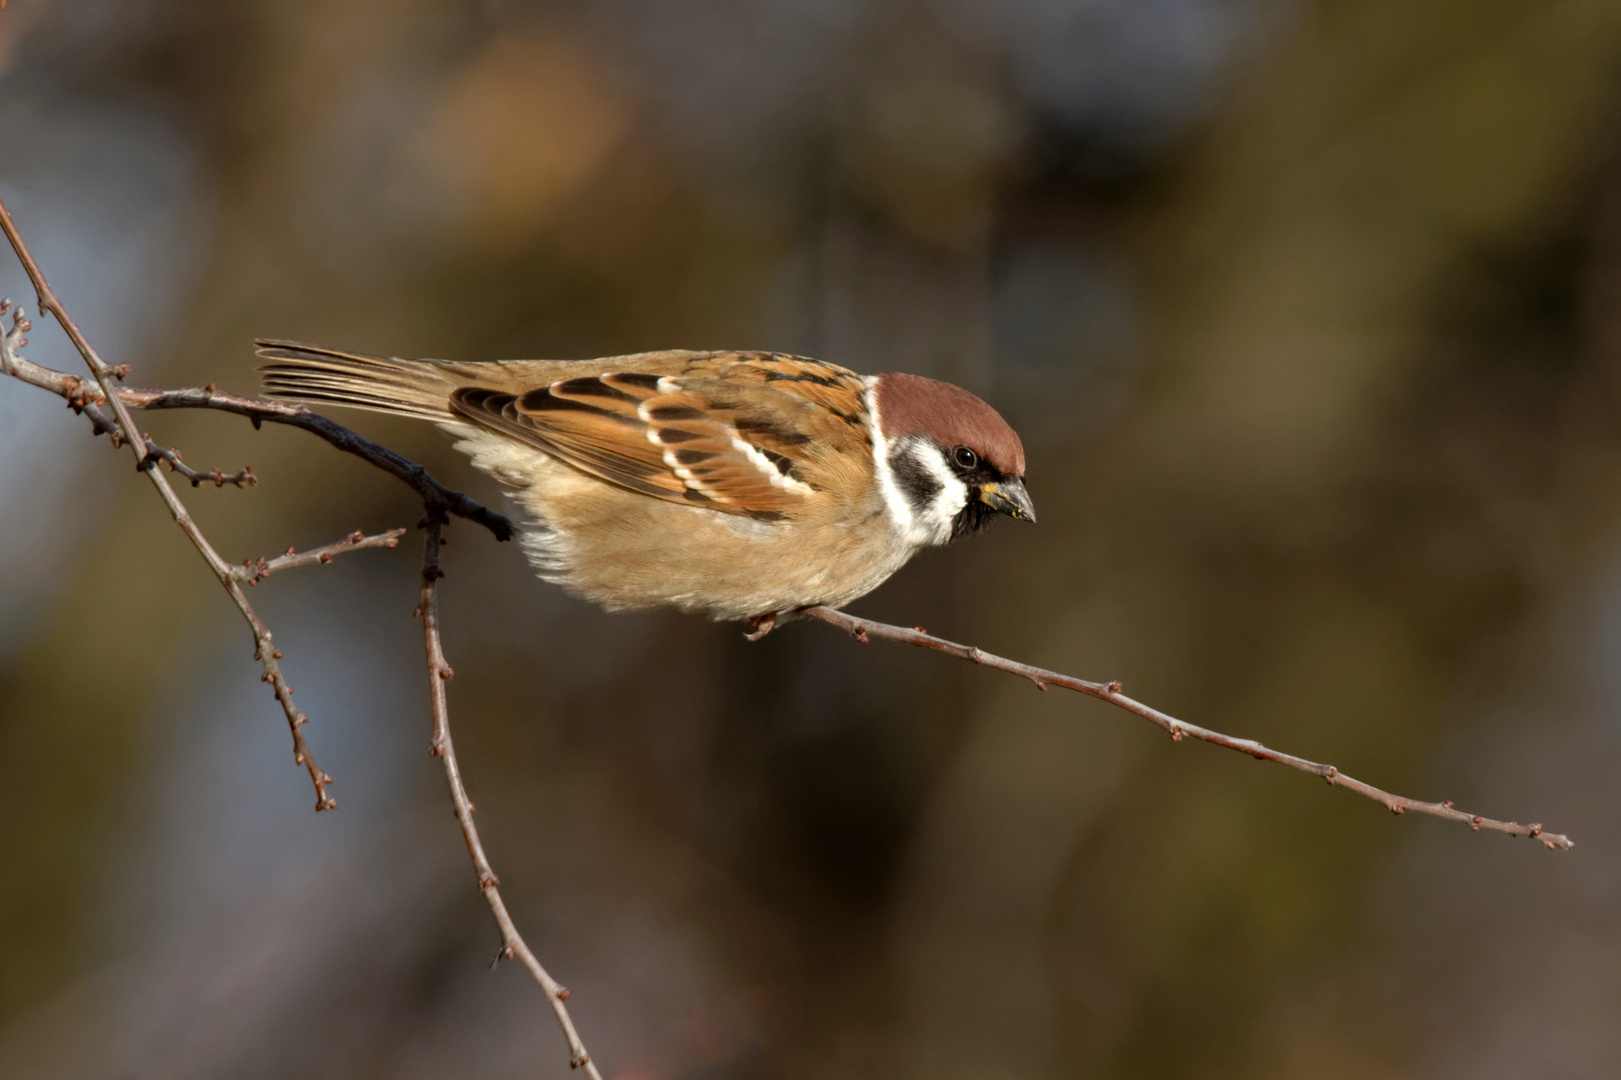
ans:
(743, 485)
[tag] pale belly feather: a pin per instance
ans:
(646, 552)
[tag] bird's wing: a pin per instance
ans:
(741, 433)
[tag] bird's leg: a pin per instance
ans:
(761, 625)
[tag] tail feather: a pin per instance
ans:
(312, 373)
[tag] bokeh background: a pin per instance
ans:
(1309, 314)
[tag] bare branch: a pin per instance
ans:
(170, 456)
(439, 673)
(91, 399)
(254, 571)
(264, 652)
(82, 396)
(862, 629)
(261, 410)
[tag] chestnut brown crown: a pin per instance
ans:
(951, 416)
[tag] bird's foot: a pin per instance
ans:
(761, 625)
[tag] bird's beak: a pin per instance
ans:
(1008, 497)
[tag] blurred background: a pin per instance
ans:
(1309, 314)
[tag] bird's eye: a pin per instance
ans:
(965, 458)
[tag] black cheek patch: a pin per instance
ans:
(916, 482)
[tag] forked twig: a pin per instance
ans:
(86, 397)
(264, 651)
(862, 629)
(82, 398)
(91, 398)
(439, 673)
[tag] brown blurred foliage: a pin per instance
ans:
(1307, 313)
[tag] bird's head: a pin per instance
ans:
(948, 462)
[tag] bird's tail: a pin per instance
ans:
(311, 373)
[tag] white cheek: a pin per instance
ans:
(917, 526)
(941, 512)
(899, 510)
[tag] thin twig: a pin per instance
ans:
(439, 673)
(254, 571)
(264, 651)
(83, 396)
(170, 456)
(261, 410)
(861, 629)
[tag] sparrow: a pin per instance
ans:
(740, 485)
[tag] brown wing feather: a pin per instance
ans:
(749, 433)
(737, 433)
